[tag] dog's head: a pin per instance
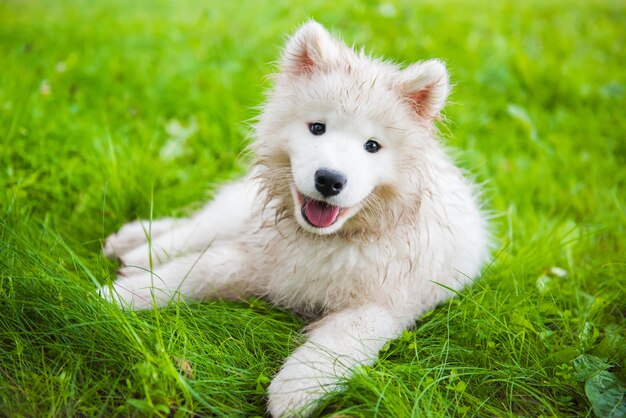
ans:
(342, 136)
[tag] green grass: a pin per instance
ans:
(94, 99)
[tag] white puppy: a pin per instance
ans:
(353, 215)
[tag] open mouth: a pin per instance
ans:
(317, 213)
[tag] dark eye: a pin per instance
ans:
(317, 128)
(372, 146)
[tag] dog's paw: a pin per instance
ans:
(294, 392)
(111, 295)
(120, 293)
(129, 236)
(144, 257)
(134, 290)
(105, 293)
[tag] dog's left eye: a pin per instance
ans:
(317, 128)
(372, 146)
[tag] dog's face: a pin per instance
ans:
(345, 125)
(336, 162)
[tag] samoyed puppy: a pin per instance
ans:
(353, 215)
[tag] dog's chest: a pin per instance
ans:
(318, 274)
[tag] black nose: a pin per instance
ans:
(329, 183)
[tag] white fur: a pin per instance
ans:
(411, 228)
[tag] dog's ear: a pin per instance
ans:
(426, 86)
(309, 50)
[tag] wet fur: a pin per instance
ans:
(419, 230)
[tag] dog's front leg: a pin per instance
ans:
(221, 219)
(335, 345)
(218, 272)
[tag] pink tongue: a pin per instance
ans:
(320, 214)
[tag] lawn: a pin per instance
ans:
(113, 110)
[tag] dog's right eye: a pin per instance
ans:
(317, 128)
